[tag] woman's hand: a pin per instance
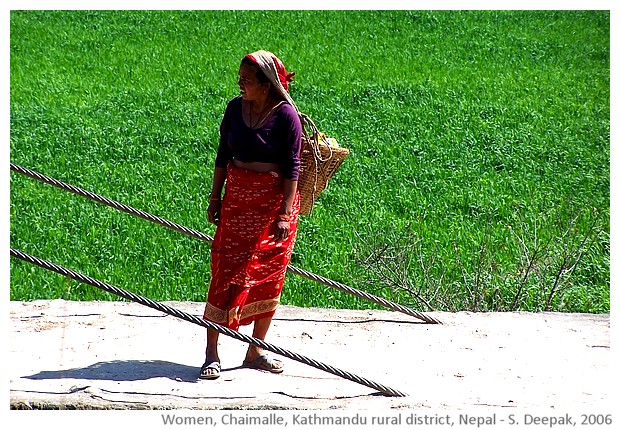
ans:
(213, 212)
(283, 229)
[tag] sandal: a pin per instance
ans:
(264, 362)
(210, 365)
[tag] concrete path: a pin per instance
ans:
(116, 355)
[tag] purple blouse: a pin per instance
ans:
(277, 141)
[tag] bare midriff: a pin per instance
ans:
(256, 166)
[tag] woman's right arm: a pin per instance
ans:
(224, 154)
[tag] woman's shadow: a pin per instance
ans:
(125, 370)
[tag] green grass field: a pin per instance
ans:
(479, 175)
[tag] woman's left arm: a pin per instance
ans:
(283, 225)
(292, 164)
(290, 187)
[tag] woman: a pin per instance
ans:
(258, 161)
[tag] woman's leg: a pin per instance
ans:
(211, 354)
(261, 326)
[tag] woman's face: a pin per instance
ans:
(250, 87)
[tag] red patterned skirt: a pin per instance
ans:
(247, 266)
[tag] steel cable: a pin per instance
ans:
(378, 300)
(199, 321)
(198, 235)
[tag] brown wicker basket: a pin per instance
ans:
(320, 158)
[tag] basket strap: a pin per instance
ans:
(314, 139)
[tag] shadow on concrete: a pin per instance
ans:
(125, 370)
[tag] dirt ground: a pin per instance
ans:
(116, 355)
